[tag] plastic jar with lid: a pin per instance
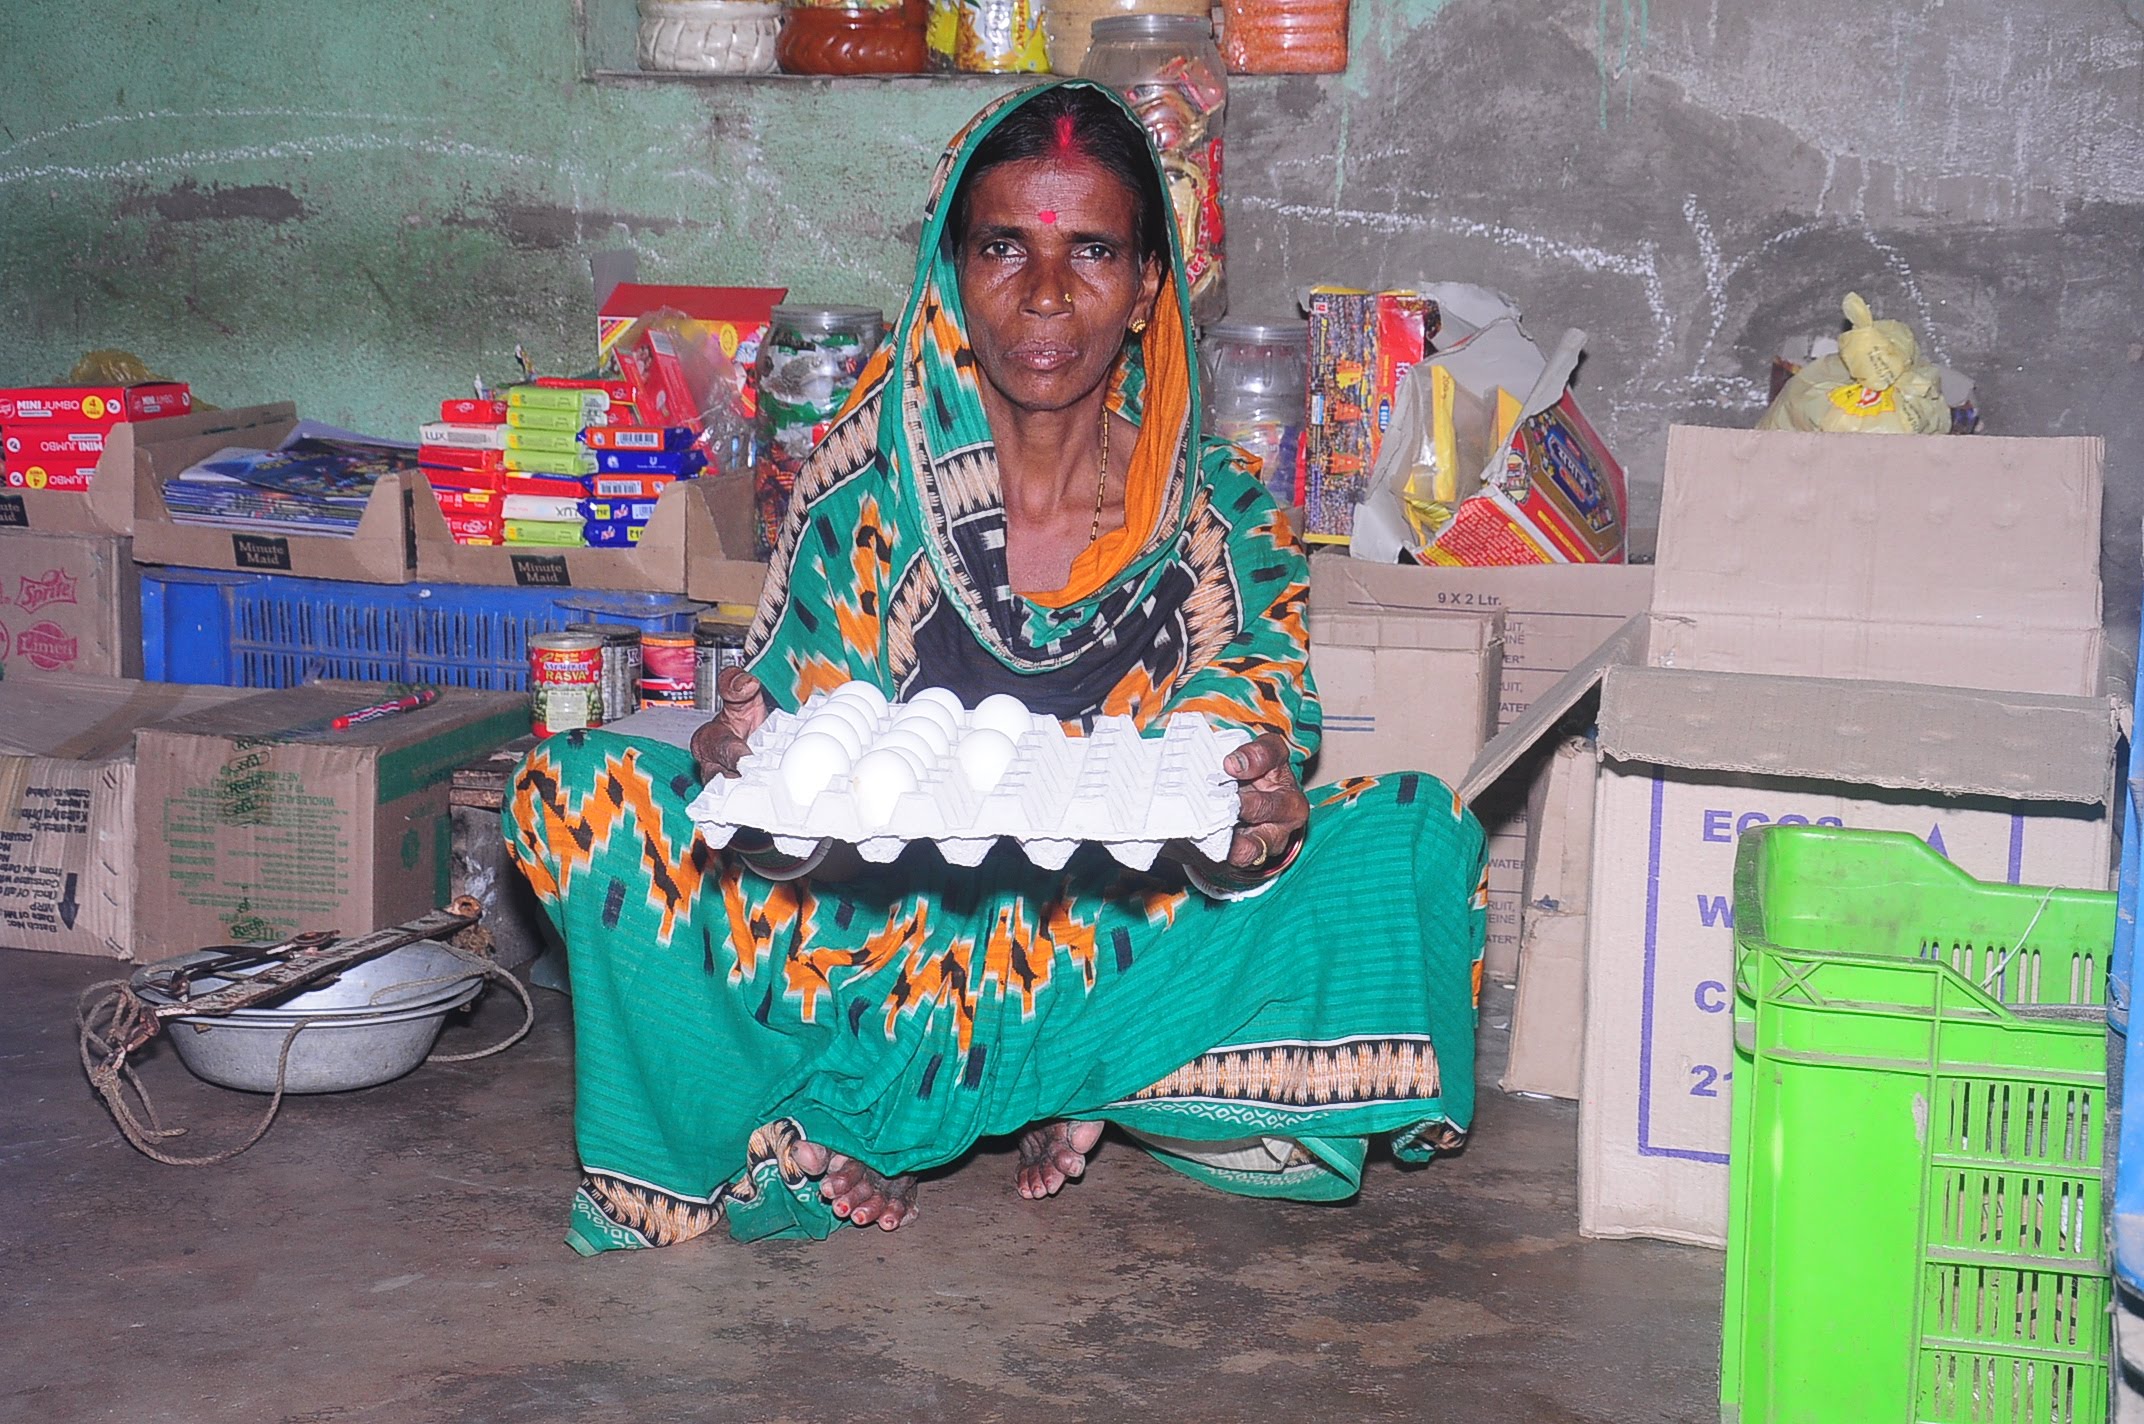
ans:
(1000, 37)
(808, 363)
(1169, 69)
(1255, 376)
(1284, 36)
(1068, 25)
(854, 37)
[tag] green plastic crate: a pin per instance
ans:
(1916, 1227)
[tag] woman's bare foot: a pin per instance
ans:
(856, 1192)
(1053, 1153)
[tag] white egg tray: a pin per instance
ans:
(1113, 787)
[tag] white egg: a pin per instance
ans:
(943, 700)
(983, 757)
(1007, 716)
(840, 728)
(880, 780)
(861, 719)
(929, 730)
(809, 763)
(863, 692)
(917, 748)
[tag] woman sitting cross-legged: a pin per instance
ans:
(1017, 499)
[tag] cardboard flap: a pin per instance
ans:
(1954, 741)
(78, 717)
(1550, 708)
(1893, 529)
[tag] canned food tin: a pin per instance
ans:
(565, 682)
(666, 669)
(621, 664)
(718, 645)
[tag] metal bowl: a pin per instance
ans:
(410, 977)
(335, 1056)
(374, 1023)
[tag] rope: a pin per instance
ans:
(122, 1014)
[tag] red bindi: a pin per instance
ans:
(1048, 215)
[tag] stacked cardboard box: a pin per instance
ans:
(1893, 632)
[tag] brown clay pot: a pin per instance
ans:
(824, 40)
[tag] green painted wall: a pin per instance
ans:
(365, 204)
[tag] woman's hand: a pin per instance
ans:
(721, 744)
(1272, 809)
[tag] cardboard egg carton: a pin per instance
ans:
(1113, 787)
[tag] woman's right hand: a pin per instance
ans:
(720, 745)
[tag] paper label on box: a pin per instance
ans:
(1673, 905)
(260, 551)
(541, 571)
(14, 514)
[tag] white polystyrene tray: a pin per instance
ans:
(1113, 787)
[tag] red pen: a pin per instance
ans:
(422, 697)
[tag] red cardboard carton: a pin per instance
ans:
(92, 407)
(470, 411)
(50, 457)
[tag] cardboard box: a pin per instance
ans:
(691, 546)
(1402, 689)
(68, 603)
(107, 505)
(380, 551)
(256, 822)
(1548, 1017)
(1899, 633)
(67, 872)
(92, 407)
(1554, 617)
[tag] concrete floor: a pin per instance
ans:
(395, 1255)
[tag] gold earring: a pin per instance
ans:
(1139, 327)
(1068, 299)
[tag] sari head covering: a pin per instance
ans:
(891, 567)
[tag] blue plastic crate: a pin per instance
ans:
(267, 630)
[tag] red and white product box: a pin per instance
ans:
(470, 504)
(48, 457)
(470, 411)
(476, 528)
(92, 407)
(629, 486)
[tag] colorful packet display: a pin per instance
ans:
(467, 481)
(680, 465)
(462, 437)
(532, 417)
(643, 439)
(629, 486)
(568, 486)
(471, 503)
(605, 511)
(559, 508)
(448, 457)
(613, 533)
(555, 442)
(567, 398)
(550, 462)
(556, 534)
(473, 411)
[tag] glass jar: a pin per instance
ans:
(1284, 36)
(808, 363)
(1068, 25)
(1000, 37)
(1169, 69)
(858, 37)
(1255, 376)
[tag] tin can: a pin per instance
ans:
(666, 669)
(565, 682)
(716, 645)
(621, 664)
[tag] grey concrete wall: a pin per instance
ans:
(362, 205)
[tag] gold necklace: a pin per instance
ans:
(1101, 487)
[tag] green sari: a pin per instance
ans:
(1255, 1040)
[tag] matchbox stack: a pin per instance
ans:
(52, 436)
(70, 602)
(558, 463)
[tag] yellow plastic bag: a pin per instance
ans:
(1877, 384)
